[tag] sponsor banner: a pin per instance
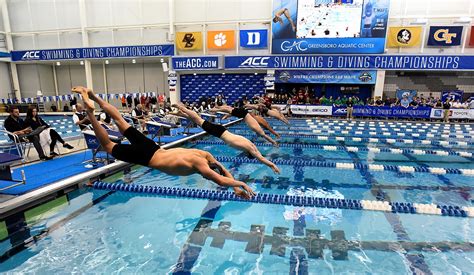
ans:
(453, 95)
(404, 36)
(445, 36)
(371, 62)
(321, 26)
(93, 53)
(253, 38)
(220, 40)
(192, 63)
(453, 113)
(385, 111)
(188, 41)
(312, 110)
(313, 76)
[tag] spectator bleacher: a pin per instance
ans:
(233, 86)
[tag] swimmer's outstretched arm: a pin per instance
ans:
(210, 174)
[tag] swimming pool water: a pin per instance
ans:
(136, 233)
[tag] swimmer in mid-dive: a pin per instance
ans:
(144, 151)
(264, 123)
(248, 118)
(233, 140)
(286, 12)
(264, 110)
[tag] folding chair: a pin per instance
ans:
(93, 143)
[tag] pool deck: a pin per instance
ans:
(47, 190)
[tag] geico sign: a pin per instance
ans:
(317, 110)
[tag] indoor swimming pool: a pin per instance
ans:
(94, 230)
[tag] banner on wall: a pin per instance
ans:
(253, 38)
(371, 62)
(189, 41)
(471, 40)
(385, 111)
(445, 36)
(221, 40)
(452, 95)
(404, 36)
(193, 63)
(314, 110)
(313, 76)
(453, 113)
(93, 53)
(409, 94)
(322, 26)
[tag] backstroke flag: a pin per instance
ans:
(187, 41)
(404, 37)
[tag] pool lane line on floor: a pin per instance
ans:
(265, 198)
(353, 166)
(417, 262)
(189, 253)
(396, 151)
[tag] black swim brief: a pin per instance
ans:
(213, 129)
(239, 112)
(140, 150)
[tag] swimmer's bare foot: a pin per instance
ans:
(89, 104)
(275, 144)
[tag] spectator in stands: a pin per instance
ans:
(153, 103)
(143, 98)
(136, 100)
(220, 101)
(73, 103)
(14, 124)
(456, 104)
(34, 121)
(405, 102)
(438, 104)
(80, 118)
(324, 101)
(446, 107)
(123, 99)
(129, 102)
(350, 107)
(378, 101)
(387, 102)
(414, 103)
(338, 102)
(471, 103)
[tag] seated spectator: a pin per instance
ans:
(34, 121)
(14, 124)
(105, 119)
(80, 117)
(438, 104)
(219, 101)
(413, 104)
(456, 104)
(73, 103)
(139, 115)
(405, 102)
(378, 101)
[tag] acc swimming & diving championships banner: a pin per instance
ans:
(384, 111)
(326, 26)
(362, 62)
(335, 76)
(93, 53)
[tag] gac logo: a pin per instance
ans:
(299, 46)
(31, 55)
(255, 62)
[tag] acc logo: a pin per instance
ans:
(298, 46)
(365, 77)
(284, 76)
(252, 62)
(404, 36)
(444, 35)
(31, 55)
(341, 111)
